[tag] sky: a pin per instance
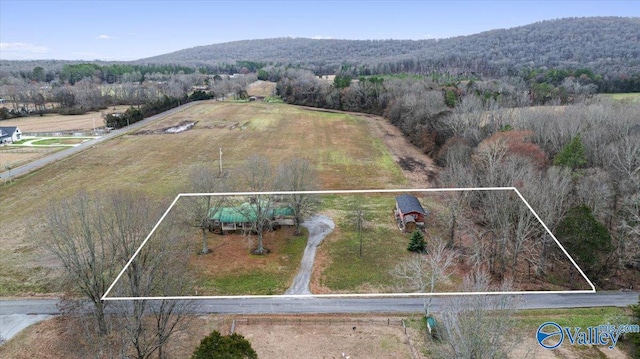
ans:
(130, 30)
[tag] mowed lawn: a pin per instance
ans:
(339, 145)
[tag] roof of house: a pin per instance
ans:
(245, 213)
(408, 203)
(233, 214)
(7, 130)
(283, 212)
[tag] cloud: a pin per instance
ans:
(21, 46)
(105, 37)
(320, 37)
(20, 50)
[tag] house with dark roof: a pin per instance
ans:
(409, 213)
(9, 134)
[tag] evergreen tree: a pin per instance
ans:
(585, 238)
(217, 346)
(572, 155)
(417, 242)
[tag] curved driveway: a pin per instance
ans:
(319, 226)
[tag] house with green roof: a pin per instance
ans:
(243, 217)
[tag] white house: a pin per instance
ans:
(9, 134)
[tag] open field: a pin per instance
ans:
(54, 123)
(339, 267)
(340, 146)
(261, 88)
(629, 97)
(349, 152)
(14, 157)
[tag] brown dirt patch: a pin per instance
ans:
(326, 337)
(231, 253)
(301, 336)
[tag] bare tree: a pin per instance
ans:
(358, 216)
(549, 194)
(200, 208)
(87, 94)
(629, 236)
(76, 232)
(423, 271)
(593, 187)
(297, 174)
(257, 176)
(158, 270)
(478, 326)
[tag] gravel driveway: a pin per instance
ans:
(319, 226)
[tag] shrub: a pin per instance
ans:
(217, 346)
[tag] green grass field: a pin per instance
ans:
(628, 97)
(59, 141)
(383, 246)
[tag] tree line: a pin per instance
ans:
(578, 165)
(25, 98)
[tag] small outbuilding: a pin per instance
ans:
(409, 213)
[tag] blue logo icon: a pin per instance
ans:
(550, 335)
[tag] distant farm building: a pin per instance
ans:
(9, 134)
(409, 213)
(231, 219)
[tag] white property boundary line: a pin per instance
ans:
(593, 289)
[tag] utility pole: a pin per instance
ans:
(220, 161)
(360, 219)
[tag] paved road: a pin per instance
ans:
(319, 226)
(312, 305)
(32, 166)
(17, 314)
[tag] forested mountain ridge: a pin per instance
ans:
(608, 45)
